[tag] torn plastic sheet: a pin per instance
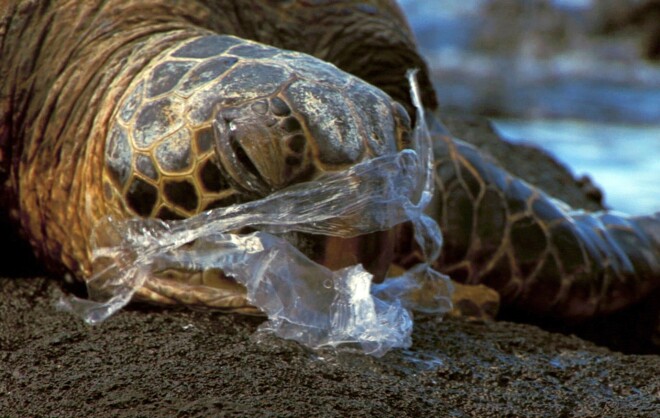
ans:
(304, 301)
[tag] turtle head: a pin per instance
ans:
(308, 128)
(221, 120)
(304, 130)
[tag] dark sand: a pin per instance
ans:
(154, 362)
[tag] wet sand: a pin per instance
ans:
(147, 361)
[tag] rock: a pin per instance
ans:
(152, 362)
(635, 19)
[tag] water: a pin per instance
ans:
(594, 104)
(623, 160)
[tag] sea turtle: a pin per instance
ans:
(164, 108)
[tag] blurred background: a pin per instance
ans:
(579, 78)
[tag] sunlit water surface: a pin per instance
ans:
(623, 160)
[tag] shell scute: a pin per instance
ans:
(173, 154)
(132, 103)
(118, 155)
(254, 51)
(141, 196)
(312, 68)
(206, 72)
(168, 214)
(252, 80)
(375, 108)
(182, 194)
(145, 166)
(207, 46)
(338, 139)
(156, 120)
(204, 140)
(166, 75)
(211, 177)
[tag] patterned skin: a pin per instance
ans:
(165, 109)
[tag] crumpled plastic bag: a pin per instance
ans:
(304, 301)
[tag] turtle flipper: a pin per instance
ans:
(208, 289)
(474, 302)
(541, 256)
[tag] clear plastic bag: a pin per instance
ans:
(304, 301)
